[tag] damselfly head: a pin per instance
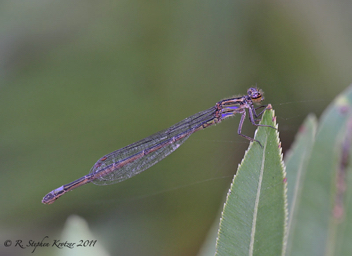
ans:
(255, 94)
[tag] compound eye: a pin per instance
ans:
(249, 92)
(252, 92)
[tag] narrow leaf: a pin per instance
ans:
(79, 239)
(341, 222)
(254, 217)
(314, 224)
(296, 161)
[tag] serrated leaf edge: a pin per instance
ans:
(284, 240)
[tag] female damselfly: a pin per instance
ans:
(133, 159)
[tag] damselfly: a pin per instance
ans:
(133, 159)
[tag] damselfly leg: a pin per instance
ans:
(252, 114)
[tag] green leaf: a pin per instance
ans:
(297, 158)
(321, 214)
(340, 235)
(254, 217)
(76, 231)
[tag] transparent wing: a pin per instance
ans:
(139, 156)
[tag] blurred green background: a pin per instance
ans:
(79, 79)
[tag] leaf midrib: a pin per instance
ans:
(255, 212)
